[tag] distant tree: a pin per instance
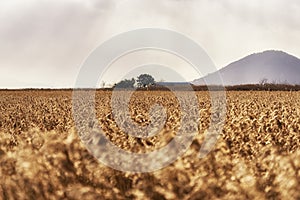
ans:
(145, 80)
(102, 84)
(125, 83)
(263, 81)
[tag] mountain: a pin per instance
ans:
(273, 66)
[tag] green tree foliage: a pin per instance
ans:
(125, 83)
(145, 80)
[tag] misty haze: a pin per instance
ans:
(149, 99)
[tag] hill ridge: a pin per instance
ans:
(274, 65)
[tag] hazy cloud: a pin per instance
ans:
(45, 41)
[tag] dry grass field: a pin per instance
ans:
(257, 155)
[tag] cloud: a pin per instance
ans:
(52, 37)
(47, 40)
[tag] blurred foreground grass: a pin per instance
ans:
(257, 155)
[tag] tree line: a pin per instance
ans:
(142, 81)
(146, 81)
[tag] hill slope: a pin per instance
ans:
(275, 66)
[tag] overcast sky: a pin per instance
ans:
(44, 42)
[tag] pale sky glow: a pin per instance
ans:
(160, 64)
(44, 42)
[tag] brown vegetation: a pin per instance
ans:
(256, 156)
